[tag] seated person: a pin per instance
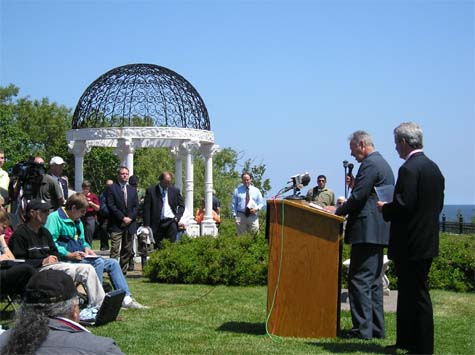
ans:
(340, 201)
(200, 214)
(13, 279)
(33, 242)
(48, 320)
(67, 229)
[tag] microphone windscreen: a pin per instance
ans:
(305, 179)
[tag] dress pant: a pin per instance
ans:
(122, 248)
(103, 233)
(246, 224)
(414, 317)
(89, 228)
(365, 288)
(168, 229)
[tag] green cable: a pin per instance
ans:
(272, 336)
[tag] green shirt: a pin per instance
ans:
(323, 198)
(68, 235)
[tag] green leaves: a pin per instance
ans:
(227, 260)
(32, 127)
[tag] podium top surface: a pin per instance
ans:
(305, 206)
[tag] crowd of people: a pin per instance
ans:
(58, 225)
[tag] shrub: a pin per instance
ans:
(227, 260)
(453, 269)
(232, 260)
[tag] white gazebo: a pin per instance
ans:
(171, 114)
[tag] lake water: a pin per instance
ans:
(452, 211)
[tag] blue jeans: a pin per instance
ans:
(112, 267)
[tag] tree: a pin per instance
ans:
(226, 177)
(29, 127)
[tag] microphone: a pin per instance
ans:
(350, 169)
(305, 179)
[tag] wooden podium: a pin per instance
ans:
(303, 290)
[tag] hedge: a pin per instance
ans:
(243, 260)
(453, 269)
(206, 260)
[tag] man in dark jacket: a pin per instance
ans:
(414, 240)
(104, 217)
(47, 323)
(123, 206)
(163, 208)
(368, 234)
(33, 242)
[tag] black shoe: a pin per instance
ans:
(352, 334)
(393, 348)
(104, 248)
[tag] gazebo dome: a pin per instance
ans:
(141, 95)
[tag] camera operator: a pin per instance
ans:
(49, 190)
(28, 181)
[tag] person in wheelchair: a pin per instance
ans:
(33, 242)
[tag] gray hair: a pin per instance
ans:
(31, 325)
(411, 133)
(361, 136)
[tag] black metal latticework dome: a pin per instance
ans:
(141, 95)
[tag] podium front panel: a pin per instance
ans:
(304, 245)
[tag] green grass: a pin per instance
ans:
(199, 319)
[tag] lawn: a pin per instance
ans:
(200, 319)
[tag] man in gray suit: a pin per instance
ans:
(368, 234)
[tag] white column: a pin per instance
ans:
(208, 226)
(190, 147)
(176, 152)
(79, 149)
(125, 151)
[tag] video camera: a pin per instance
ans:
(25, 176)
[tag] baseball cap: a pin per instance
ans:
(56, 160)
(38, 204)
(50, 286)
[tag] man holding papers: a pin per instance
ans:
(246, 203)
(368, 234)
(414, 239)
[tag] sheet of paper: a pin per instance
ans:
(252, 204)
(385, 193)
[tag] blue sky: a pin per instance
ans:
(285, 82)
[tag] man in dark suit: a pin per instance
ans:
(368, 234)
(123, 205)
(414, 238)
(163, 208)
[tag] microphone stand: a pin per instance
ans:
(345, 166)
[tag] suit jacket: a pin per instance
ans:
(118, 210)
(365, 223)
(414, 213)
(153, 206)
